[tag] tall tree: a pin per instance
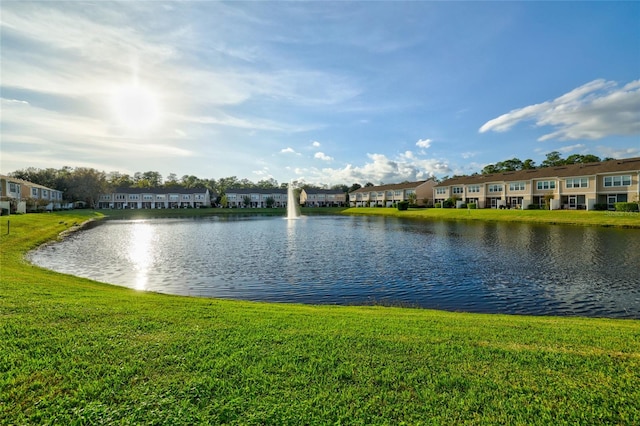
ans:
(85, 184)
(553, 160)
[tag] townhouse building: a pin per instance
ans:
(388, 195)
(322, 198)
(575, 186)
(155, 198)
(256, 197)
(20, 196)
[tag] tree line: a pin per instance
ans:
(87, 184)
(553, 159)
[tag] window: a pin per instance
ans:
(617, 181)
(174, 197)
(495, 188)
(398, 193)
(34, 192)
(473, 188)
(186, 197)
(441, 190)
(13, 187)
(147, 197)
(120, 197)
(161, 197)
(458, 190)
(134, 196)
(546, 184)
(517, 186)
(577, 183)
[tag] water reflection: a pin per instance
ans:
(479, 267)
(140, 253)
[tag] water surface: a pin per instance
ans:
(458, 266)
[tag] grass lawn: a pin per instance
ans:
(73, 351)
(567, 217)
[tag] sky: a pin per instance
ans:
(318, 92)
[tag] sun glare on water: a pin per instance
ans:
(135, 107)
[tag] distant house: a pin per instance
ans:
(20, 196)
(388, 195)
(256, 197)
(574, 186)
(322, 198)
(155, 198)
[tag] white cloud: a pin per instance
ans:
(287, 150)
(379, 168)
(593, 111)
(322, 156)
(316, 144)
(570, 148)
(424, 143)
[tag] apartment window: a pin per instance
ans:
(398, 193)
(473, 188)
(617, 180)
(546, 184)
(134, 196)
(34, 192)
(516, 186)
(577, 183)
(254, 196)
(495, 188)
(186, 197)
(389, 194)
(441, 191)
(174, 197)
(458, 190)
(147, 197)
(120, 197)
(161, 197)
(12, 187)
(45, 193)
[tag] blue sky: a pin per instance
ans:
(321, 92)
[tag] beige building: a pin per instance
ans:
(388, 195)
(21, 196)
(322, 198)
(575, 186)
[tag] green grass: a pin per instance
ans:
(566, 217)
(73, 351)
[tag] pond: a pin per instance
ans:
(456, 266)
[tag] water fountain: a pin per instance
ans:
(293, 209)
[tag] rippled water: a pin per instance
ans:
(459, 266)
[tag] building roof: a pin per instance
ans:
(27, 183)
(570, 170)
(255, 191)
(159, 190)
(405, 185)
(322, 191)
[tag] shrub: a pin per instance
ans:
(448, 203)
(472, 206)
(437, 206)
(403, 205)
(533, 207)
(600, 206)
(626, 207)
(463, 206)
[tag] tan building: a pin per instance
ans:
(322, 198)
(21, 196)
(575, 186)
(388, 195)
